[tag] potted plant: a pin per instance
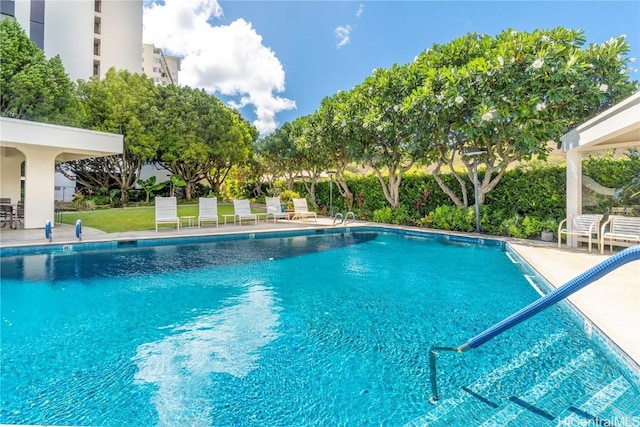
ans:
(549, 226)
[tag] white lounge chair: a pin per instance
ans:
(301, 210)
(207, 210)
(242, 211)
(585, 225)
(274, 209)
(167, 211)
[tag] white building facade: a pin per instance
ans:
(90, 36)
(163, 69)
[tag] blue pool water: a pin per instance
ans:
(305, 330)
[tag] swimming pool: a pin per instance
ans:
(319, 328)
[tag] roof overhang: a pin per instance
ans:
(72, 143)
(617, 127)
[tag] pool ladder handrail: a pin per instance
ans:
(574, 285)
(343, 219)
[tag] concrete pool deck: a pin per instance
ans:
(612, 304)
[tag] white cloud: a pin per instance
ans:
(226, 59)
(342, 35)
(343, 32)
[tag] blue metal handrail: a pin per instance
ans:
(574, 285)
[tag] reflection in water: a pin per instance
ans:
(227, 341)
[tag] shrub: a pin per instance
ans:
(390, 215)
(453, 218)
(528, 227)
(287, 196)
(81, 202)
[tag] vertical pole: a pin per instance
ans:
(331, 194)
(475, 187)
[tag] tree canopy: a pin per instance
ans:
(509, 96)
(199, 138)
(33, 88)
(506, 98)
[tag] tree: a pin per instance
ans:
(279, 152)
(233, 148)
(334, 130)
(387, 139)
(312, 159)
(33, 87)
(89, 173)
(200, 138)
(126, 104)
(509, 96)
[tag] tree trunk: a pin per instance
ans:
(464, 203)
(343, 188)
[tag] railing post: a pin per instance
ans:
(435, 397)
(433, 352)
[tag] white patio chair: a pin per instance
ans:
(207, 210)
(585, 225)
(242, 211)
(301, 210)
(274, 209)
(167, 211)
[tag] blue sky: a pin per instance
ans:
(276, 60)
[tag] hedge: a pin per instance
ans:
(526, 201)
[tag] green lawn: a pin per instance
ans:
(132, 219)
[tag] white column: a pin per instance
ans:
(574, 188)
(10, 174)
(39, 203)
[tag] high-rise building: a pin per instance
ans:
(90, 36)
(163, 69)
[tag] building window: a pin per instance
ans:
(8, 7)
(37, 11)
(36, 34)
(96, 68)
(98, 6)
(96, 25)
(96, 47)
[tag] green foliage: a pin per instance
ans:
(453, 218)
(528, 227)
(611, 173)
(176, 182)
(122, 103)
(509, 95)
(199, 137)
(623, 175)
(114, 200)
(99, 199)
(82, 203)
(149, 186)
(391, 215)
(538, 192)
(287, 196)
(33, 88)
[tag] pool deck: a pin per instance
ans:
(612, 304)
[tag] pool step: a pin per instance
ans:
(516, 405)
(486, 382)
(577, 392)
(596, 404)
